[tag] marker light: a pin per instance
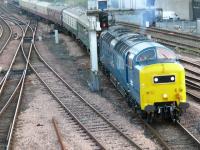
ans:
(172, 78)
(165, 96)
(156, 79)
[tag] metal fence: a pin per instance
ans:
(182, 26)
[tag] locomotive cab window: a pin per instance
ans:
(147, 55)
(164, 53)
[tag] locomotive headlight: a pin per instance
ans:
(155, 79)
(165, 96)
(172, 78)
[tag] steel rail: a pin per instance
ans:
(10, 133)
(189, 79)
(11, 97)
(60, 140)
(21, 90)
(152, 130)
(1, 82)
(14, 19)
(192, 78)
(192, 71)
(156, 133)
(17, 87)
(54, 95)
(13, 94)
(196, 97)
(166, 146)
(189, 133)
(175, 43)
(6, 12)
(164, 41)
(81, 98)
(1, 29)
(4, 80)
(63, 105)
(23, 33)
(189, 62)
(192, 84)
(9, 37)
(163, 31)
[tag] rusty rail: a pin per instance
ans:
(60, 140)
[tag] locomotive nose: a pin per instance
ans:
(161, 83)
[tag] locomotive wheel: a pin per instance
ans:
(144, 114)
(150, 117)
(176, 115)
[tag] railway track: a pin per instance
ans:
(1, 31)
(95, 130)
(103, 133)
(182, 41)
(176, 136)
(164, 31)
(5, 34)
(11, 94)
(170, 134)
(192, 78)
(8, 14)
(78, 107)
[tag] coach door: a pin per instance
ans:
(129, 68)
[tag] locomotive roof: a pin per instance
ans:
(126, 40)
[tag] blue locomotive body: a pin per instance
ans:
(145, 71)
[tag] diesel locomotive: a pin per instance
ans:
(146, 72)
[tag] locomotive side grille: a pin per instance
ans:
(137, 38)
(121, 47)
(108, 37)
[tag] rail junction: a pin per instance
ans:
(95, 124)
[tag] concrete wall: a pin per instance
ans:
(182, 7)
(127, 4)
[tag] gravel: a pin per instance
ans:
(35, 129)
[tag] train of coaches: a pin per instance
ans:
(146, 72)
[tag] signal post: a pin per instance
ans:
(94, 25)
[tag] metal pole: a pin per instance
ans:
(93, 51)
(56, 37)
(94, 77)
